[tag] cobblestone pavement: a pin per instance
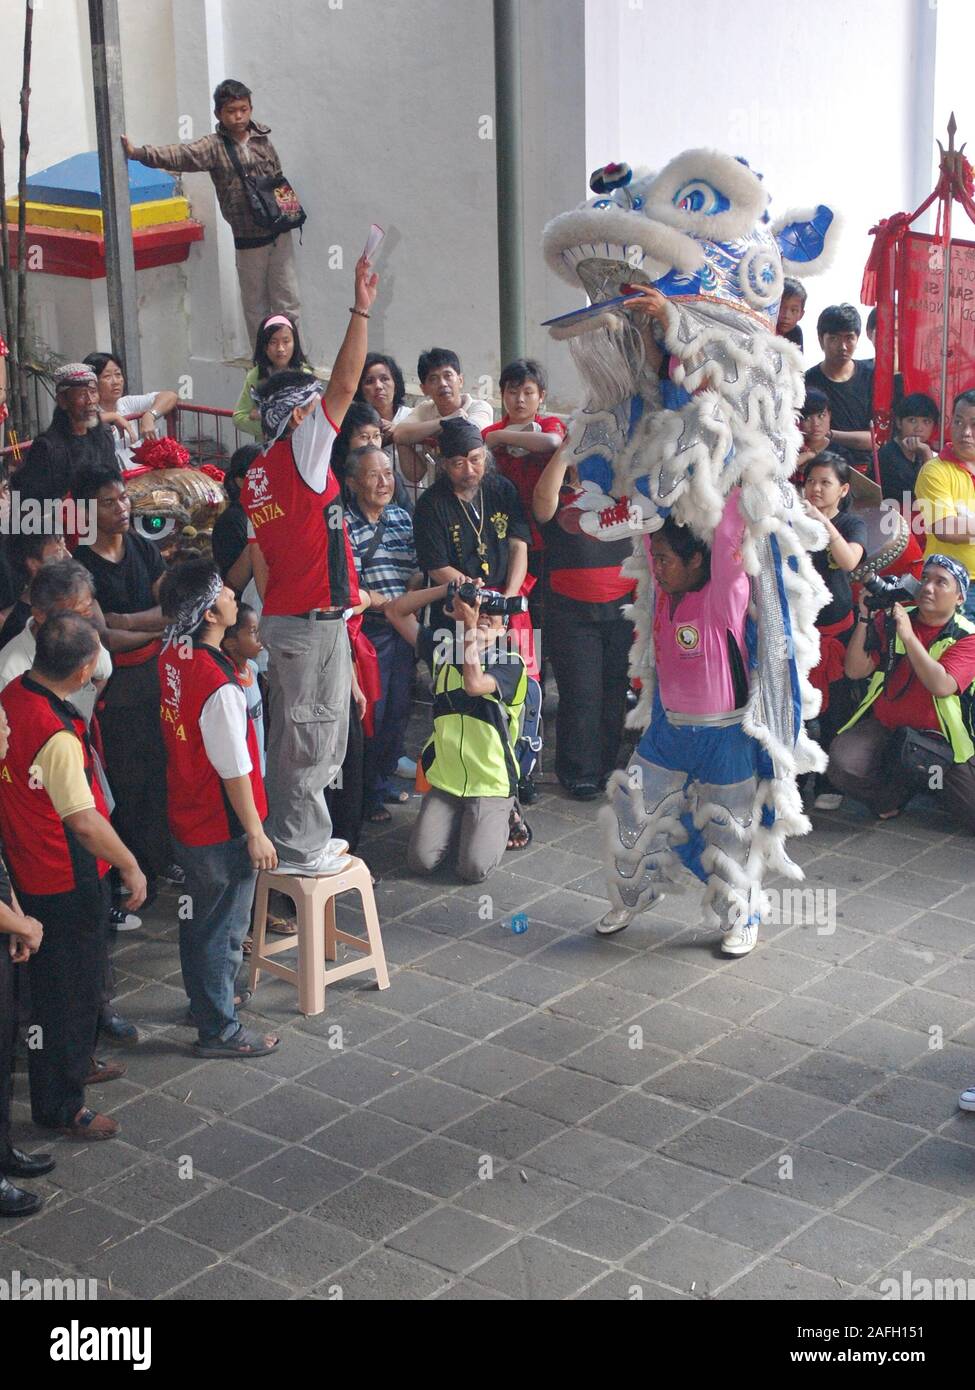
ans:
(549, 1115)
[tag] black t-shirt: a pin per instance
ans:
(503, 661)
(125, 587)
(446, 531)
(229, 537)
(794, 335)
(898, 473)
(853, 529)
(16, 620)
(57, 456)
(9, 587)
(850, 402)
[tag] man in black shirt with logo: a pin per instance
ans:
(848, 385)
(469, 524)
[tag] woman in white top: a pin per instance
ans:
(115, 406)
(381, 386)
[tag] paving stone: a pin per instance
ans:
(911, 1100)
(297, 1178)
(843, 1249)
(364, 1138)
(939, 1163)
(297, 1056)
(923, 890)
(355, 1078)
(384, 1275)
(656, 974)
(600, 1005)
(498, 936)
(721, 1147)
(466, 1291)
(588, 1160)
(416, 1044)
(223, 1149)
(568, 910)
(439, 1166)
(884, 846)
(405, 942)
(517, 1196)
(854, 990)
(946, 1278)
(660, 1185)
(946, 1064)
(756, 1053)
(150, 1262)
(347, 1027)
(531, 983)
(564, 1095)
(602, 1227)
(922, 1010)
(958, 980)
(750, 1216)
(589, 957)
(616, 1059)
(728, 996)
(475, 1015)
(779, 970)
(619, 1286)
(413, 990)
(225, 1218)
(546, 1036)
(697, 1084)
(450, 1239)
(219, 1090)
(899, 1208)
(73, 1232)
(231, 1283)
(152, 1190)
(302, 1251)
(534, 1269)
(85, 1166)
(827, 948)
(641, 1120)
(880, 1044)
(848, 872)
(547, 865)
(465, 963)
(504, 1130)
(808, 1021)
(690, 1261)
(291, 1112)
(776, 1110)
(951, 861)
(373, 1208)
(154, 1120)
(489, 1069)
(426, 1103)
(833, 1077)
(776, 1279)
(900, 960)
(957, 1237)
(864, 1138)
(811, 1176)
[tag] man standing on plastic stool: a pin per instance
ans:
(305, 574)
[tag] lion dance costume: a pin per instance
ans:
(710, 439)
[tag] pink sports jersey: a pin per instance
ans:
(694, 671)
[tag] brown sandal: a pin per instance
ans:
(89, 1125)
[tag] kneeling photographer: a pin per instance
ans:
(913, 730)
(479, 687)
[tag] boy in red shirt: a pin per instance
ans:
(216, 802)
(524, 441)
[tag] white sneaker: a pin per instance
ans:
(617, 919)
(828, 801)
(125, 921)
(325, 865)
(740, 940)
(966, 1101)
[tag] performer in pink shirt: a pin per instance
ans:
(689, 797)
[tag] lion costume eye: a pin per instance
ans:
(699, 196)
(152, 526)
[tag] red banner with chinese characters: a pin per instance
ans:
(920, 316)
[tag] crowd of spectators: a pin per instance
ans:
(198, 724)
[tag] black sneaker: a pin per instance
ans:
(125, 921)
(173, 874)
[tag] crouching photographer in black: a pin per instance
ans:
(914, 729)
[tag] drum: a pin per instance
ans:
(891, 547)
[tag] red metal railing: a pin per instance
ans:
(213, 443)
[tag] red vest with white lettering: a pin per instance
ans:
(43, 856)
(301, 534)
(200, 812)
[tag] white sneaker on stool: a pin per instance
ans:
(327, 862)
(966, 1101)
(738, 941)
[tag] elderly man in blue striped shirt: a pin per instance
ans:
(381, 535)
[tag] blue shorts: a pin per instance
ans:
(717, 756)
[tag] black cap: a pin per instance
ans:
(458, 436)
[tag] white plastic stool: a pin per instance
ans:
(314, 899)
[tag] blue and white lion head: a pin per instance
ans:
(698, 230)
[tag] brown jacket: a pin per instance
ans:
(257, 156)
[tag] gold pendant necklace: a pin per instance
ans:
(478, 529)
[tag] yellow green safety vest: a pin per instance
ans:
(954, 712)
(471, 751)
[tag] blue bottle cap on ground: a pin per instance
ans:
(519, 922)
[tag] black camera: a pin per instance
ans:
(882, 594)
(491, 600)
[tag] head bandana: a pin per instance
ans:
(276, 410)
(277, 321)
(459, 436)
(73, 374)
(191, 612)
(956, 570)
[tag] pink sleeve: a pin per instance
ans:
(726, 561)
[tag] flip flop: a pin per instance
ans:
(244, 1043)
(379, 816)
(520, 836)
(280, 926)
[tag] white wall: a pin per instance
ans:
(830, 101)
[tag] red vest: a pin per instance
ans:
(301, 534)
(42, 854)
(200, 812)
